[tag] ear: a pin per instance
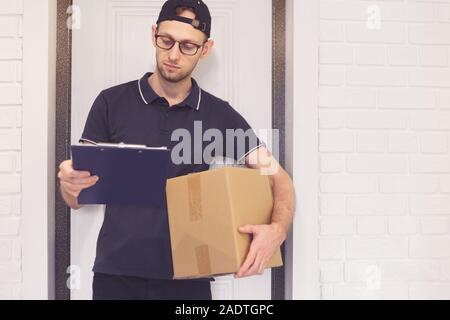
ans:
(207, 48)
(154, 30)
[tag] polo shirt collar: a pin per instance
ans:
(148, 95)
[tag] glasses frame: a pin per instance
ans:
(179, 44)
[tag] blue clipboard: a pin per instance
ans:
(128, 175)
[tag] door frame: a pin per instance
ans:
(302, 115)
(63, 138)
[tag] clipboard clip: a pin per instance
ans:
(121, 145)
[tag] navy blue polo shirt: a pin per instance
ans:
(135, 240)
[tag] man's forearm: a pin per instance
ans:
(284, 201)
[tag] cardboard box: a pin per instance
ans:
(205, 211)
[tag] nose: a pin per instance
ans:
(174, 53)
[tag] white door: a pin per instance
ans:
(112, 44)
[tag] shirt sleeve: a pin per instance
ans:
(240, 138)
(96, 127)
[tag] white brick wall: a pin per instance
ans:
(11, 15)
(384, 125)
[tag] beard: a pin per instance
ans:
(175, 77)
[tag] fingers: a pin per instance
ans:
(251, 256)
(248, 229)
(78, 174)
(84, 181)
(74, 186)
(257, 268)
(79, 181)
(66, 171)
(75, 189)
(70, 189)
(64, 164)
(261, 267)
(254, 269)
(248, 262)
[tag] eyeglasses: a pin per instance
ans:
(187, 48)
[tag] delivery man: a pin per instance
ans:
(133, 259)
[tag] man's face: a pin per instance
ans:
(173, 65)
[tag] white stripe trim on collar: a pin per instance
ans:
(240, 161)
(140, 91)
(82, 140)
(145, 101)
(199, 98)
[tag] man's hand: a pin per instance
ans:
(266, 240)
(72, 182)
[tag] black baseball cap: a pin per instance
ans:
(202, 19)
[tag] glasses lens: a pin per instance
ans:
(164, 42)
(188, 48)
(167, 43)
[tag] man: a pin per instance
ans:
(133, 249)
